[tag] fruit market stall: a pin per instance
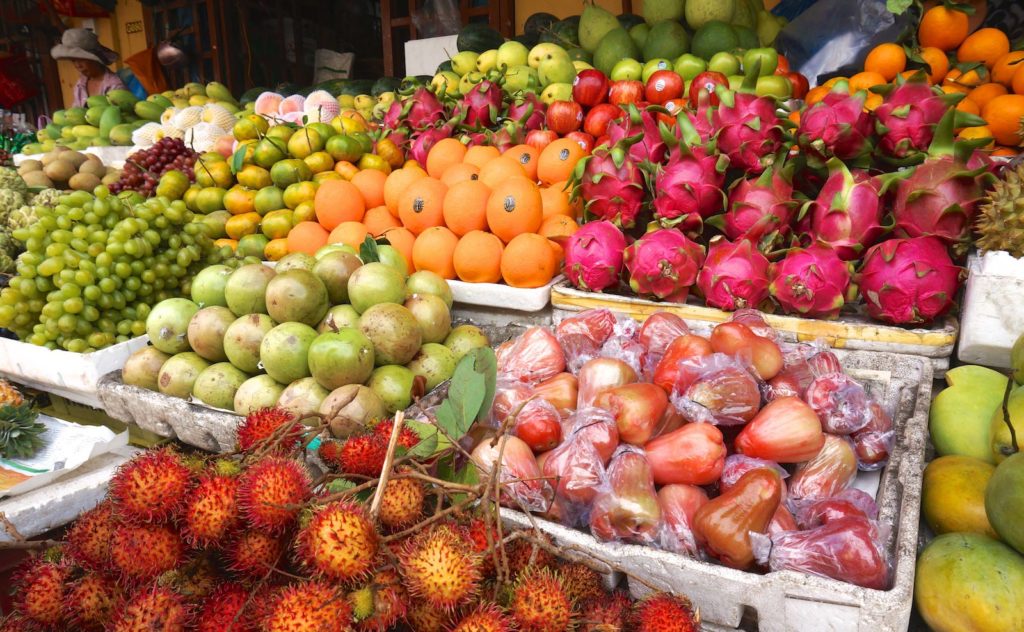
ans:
(627, 322)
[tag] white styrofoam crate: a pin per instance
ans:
(789, 601)
(423, 56)
(502, 296)
(70, 375)
(992, 315)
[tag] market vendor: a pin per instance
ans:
(91, 59)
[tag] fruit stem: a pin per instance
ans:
(378, 495)
(1006, 415)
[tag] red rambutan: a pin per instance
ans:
(253, 554)
(195, 579)
(478, 538)
(259, 426)
(539, 603)
(401, 503)
(363, 455)
(271, 493)
(662, 612)
(330, 452)
(486, 617)
(439, 568)
(523, 554)
(339, 542)
(88, 539)
(151, 487)
(14, 622)
(606, 613)
(309, 607)
(580, 582)
(41, 590)
(388, 605)
(153, 608)
(212, 510)
(90, 602)
(424, 617)
(407, 437)
(142, 552)
(228, 609)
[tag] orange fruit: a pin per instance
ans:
(445, 153)
(480, 155)
(942, 28)
(938, 63)
(460, 173)
(558, 227)
(379, 219)
(224, 241)
(514, 208)
(985, 45)
(557, 161)
(434, 250)
(370, 183)
(969, 106)
(795, 116)
(421, 205)
(528, 261)
(275, 249)
(972, 133)
(833, 81)
(950, 88)
(465, 207)
(477, 257)
(986, 92)
(555, 201)
(526, 156)
(1004, 116)
(338, 201)
(307, 237)
(402, 239)
(866, 80)
(500, 169)
(396, 184)
(239, 226)
(998, 151)
(973, 78)
(349, 233)
(1006, 66)
(872, 101)
(239, 200)
(1017, 83)
(816, 94)
(887, 60)
(345, 169)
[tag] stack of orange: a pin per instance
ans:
(472, 214)
(979, 65)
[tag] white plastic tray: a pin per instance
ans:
(992, 316)
(503, 296)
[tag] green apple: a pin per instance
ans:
(654, 66)
(626, 70)
(512, 53)
(580, 66)
(519, 78)
(556, 92)
(725, 63)
(774, 85)
(547, 50)
(487, 61)
(464, 63)
(556, 70)
(469, 80)
(445, 82)
(689, 66)
(769, 60)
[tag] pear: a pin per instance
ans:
(544, 51)
(487, 61)
(595, 23)
(511, 54)
(556, 70)
(464, 63)
(556, 92)
(520, 78)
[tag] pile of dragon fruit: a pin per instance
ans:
(735, 448)
(735, 201)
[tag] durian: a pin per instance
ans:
(1000, 223)
(19, 431)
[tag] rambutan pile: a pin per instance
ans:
(151, 487)
(271, 493)
(261, 426)
(661, 612)
(539, 602)
(41, 593)
(313, 606)
(153, 608)
(439, 569)
(339, 542)
(211, 511)
(487, 617)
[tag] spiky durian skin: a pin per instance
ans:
(1000, 224)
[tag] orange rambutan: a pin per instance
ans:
(580, 582)
(41, 590)
(152, 487)
(90, 602)
(271, 493)
(338, 542)
(88, 538)
(211, 511)
(311, 606)
(486, 617)
(228, 609)
(261, 425)
(253, 553)
(153, 608)
(363, 455)
(142, 552)
(662, 612)
(539, 603)
(401, 503)
(605, 613)
(439, 568)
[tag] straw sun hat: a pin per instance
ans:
(82, 44)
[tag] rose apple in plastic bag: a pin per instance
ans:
(656, 334)
(841, 403)
(533, 357)
(736, 465)
(782, 522)
(830, 471)
(849, 549)
(598, 427)
(679, 503)
(873, 443)
(508, 397)
(692, 455)
(521, 477)
(539, 424)
(669, 374)
(601, 374)
(737, 339)
(583, 335)
(754, 320)
(785, 431)
(724, 392)
(724, 524)
(561, 391)
(849, 502)
(576, 469)
(638, 410)
(626, 508)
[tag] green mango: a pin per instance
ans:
(111, 118)
(60, 118)
(97, 101)
(1004, 501)
(160, 100)
(122, 99)
(74, 116)
(121, 134)
(149, 110)
(616, 45)
(1001, 442)
(961, 415)
(93, 114)
(220, 92)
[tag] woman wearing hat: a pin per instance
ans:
(91, 59)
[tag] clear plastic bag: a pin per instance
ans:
(824, 476)
(539, 424)
(849, 502)
(522, 483)
(600, 374)
(840, 402)
(626, 507)
(720, 390)
(583, 335)
(849, 549)
(736, 465)
(533, 357)
(874, 442)
(678, 505)
(576, 470)
(655, 335)
(437, 18)
(754, 320)
(802, 363)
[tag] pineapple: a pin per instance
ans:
(10, 395)
(19, 431)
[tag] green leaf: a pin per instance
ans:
(431, 441)
(339, 485)
(368, 250)
(898, 7)
(237, 160)
(466, 475)
(445, 416)
(466, 394)
(486, 364)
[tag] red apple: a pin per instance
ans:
(624, 92)
(663, 85)
(540, 138)
(564, 117)
(590, 87)
(599, 117)
(706, 82)
(583, 139)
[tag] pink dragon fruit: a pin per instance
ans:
(941, 196)
(663, 264)
(472, 139)
(423, 141)
(906, 120)
(748, 129)
(760, 210)
(836, 126)
(527, 112)
(909, 281)
(481, 105)
(848, 211)
(418, 111)
(593, 256)
(651, 146)
(612, 185)
(812, 282)
(734, 276)
(701, 118)
(688, 189)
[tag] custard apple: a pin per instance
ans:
(9, 201)
(46, 197)
(10, 180)
(24, 216)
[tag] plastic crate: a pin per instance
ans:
(788, 601)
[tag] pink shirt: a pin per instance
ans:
(109, 82)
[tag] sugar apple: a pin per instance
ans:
(7, 264)
(10, 200)
(10, 180)
(8, 244)
(24, 216)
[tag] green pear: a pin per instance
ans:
(487, 61)
(512, 53)
(961, 415)
(543, 51)
(556, 70)
(1001, 441)
(469, 80)
(520, 78)
(464, 63)
(556, 92)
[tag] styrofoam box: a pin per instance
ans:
(789, 601)
(70, 375)
(992, 315)
(503, 296)
(423, 56)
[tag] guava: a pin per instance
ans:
(302, 397)
(334, 269)
(435, 362)
(393, 385)
(206, 332)
(391, 256)
(394, 332)
(246, 289)
(375, 283)
(464, 339)
(167, 324)
(242, 340)
(432, 314)
(208, 286)
(142, 368)
(427, 282)
(178, 375)
(296, 296)
(351, 409)
(217, 384)
(340, 358)
(261, 391)
(283, 351)
(295, 261)
(338, 317)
